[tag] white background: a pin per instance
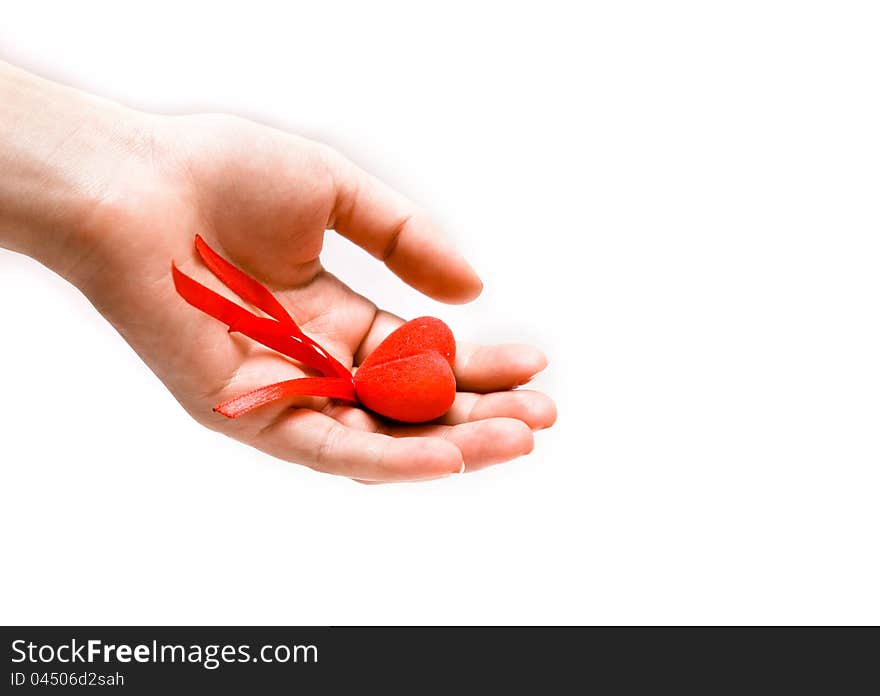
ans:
(677, 201)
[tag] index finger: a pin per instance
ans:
(477, 368)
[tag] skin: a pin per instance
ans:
(107, 197)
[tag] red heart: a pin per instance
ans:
(409, 376)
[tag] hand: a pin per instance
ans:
(264, 198)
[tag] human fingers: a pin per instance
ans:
(396, 231)
(478, 368)
(307, 437)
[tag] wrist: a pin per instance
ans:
(61, 152)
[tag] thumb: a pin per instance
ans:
(394, 230)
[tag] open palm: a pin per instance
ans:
(264, 199)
